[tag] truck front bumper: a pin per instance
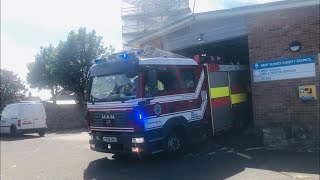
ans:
(123, 144)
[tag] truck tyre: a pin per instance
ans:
(175, 142)
(41, 133)
(13, 130)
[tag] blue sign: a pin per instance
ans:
(284, 69)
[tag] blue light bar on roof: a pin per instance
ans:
(127, 56)
(137, 53)
(98, 61)
(124, 56)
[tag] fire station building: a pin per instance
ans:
(280, 43)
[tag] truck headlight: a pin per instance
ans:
(138, 140)
(92, 146)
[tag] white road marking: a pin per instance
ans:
(299, 175)
(244, 155)
(212, 153)
(222, 149)
(255, 148)
(230, 151)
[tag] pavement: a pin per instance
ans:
(66, 155)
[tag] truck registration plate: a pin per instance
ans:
(109, 139)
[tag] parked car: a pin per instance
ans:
(21, 118)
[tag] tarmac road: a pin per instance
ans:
(67, 156)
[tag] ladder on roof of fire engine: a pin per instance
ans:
(151, 52)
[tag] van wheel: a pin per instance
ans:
(41, 133)
(175, 142)
(13, 130)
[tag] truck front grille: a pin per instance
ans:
(110, 119)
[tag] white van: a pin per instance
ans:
(20, 118)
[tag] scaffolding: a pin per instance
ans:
(140, 17)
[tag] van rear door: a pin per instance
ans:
(26, 116)
(39, 116)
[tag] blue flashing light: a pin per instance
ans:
(139, 119)
(139, 116)
(124, 56)
(98, 61)
(137, 53)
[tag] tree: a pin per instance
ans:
(75, 57)
(66, 65)
(43, 72)
(12, 88)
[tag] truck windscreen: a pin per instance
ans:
(109, 88)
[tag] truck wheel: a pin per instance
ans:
(175, 142)
(13, 130)
(41, 133)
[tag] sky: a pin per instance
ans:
(27, 25)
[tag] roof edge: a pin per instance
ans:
(257, 8)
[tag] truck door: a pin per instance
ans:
(27, 117)
(222, 115)
(238, 91)
(228, 95)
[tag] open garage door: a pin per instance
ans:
(230, 87)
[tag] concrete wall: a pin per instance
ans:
(286, 121)
(68, 116)
(213, 31)
(156, 43)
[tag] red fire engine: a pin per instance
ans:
(148, 105)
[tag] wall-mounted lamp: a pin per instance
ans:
(295, 46)
(200, 38)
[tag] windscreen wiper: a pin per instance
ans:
(123, 99)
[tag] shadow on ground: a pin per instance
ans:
(68, 131)
(19, 137)
(7, 137)
(220, 158)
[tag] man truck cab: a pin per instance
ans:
(21, 118)
(149, 105)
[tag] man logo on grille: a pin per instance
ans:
(107, 117)
(108, 123)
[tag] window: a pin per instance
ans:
(166, 81)
(10, 111)
(113, 88)
(187, 78)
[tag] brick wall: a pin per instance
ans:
(67, 116)
(285, 121)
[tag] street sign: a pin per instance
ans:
(284, 69)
